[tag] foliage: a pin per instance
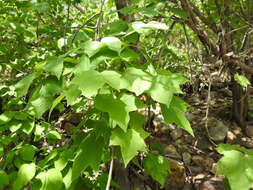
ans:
(56, 58)
(242, 80)
(236, 165)
(99, 78)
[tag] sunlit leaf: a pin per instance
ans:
(25, 173)
(130, 143)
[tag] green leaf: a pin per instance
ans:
(242, 80)
(112, 43)
(86, 156)
(170, 82)
(41, 105)
(89, 82)
(20, 115)
(23, 85)
(53, 135)
(131, 102)
(6, 117)
(236, 165)
(25, 173)
(136, 80)
(137, 121)
(39, 129)
(27, 152)
(61, 42)
(14, 125)
(63, 159)
(27, 126)
(83, 65)
(55, 103)
(116, 27)
(132, 37)
(92, 47)
(130, 143)
(179, 12)
(160, 93)
(143, 28)
(175, 114)
(49, 157)
(157, 166)
(129, 55)
(4, 179)
(43, 96)
(72, 93)
(54, 66)
(50, 179)
(117, 109)
(112, 78)
(139, 86)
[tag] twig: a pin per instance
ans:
(207, 111)
(99, 20)
(80, 8)
(84, 24)
(66, 26)
(110, 171)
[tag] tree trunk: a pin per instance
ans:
(120, 175)
(120, 4)
(240, 105)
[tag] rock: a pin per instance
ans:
(226, 92)
(217, 130)
(202, 162)
(74, 118)
(188, 139)
(176, 178)
(187, 186)
(195, 169)
(171, 152)
(203, 143)
(214, 168)
(246, 141)
(186, 158)
(249, 130)
(249, 144)
(212, 184)
(189, 116)
(231, 137)
(176, 133)
(68, 127)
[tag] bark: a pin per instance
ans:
(240, 104)
(120, 4)
(221, 50)
(120, 175)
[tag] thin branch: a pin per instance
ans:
(110, 171)
(236, 60)
(66, 26)
(207, 111)
(73, 27)
(82, 26)
(80, 8)
(245, 41)
(99, 20)
(193, 24)
(200, 15)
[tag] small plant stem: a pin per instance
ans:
(100, 18)
(110, 171)
(207, 111)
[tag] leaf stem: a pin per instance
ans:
(110, 171)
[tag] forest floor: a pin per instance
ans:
(193, 160)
